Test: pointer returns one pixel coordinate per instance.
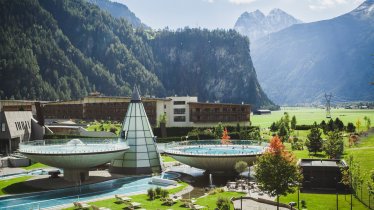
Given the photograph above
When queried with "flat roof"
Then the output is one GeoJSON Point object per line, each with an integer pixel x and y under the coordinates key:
{"type": "Point", "coordinates": [218, 103]}
{"type": "Point", "coordinates": [321, 163]}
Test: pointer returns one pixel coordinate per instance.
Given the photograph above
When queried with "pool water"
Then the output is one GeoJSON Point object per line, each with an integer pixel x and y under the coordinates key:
{"type": "Point", "coordinates": [69, 195]}
{"type": "Point", "coordinates": [222, 150]}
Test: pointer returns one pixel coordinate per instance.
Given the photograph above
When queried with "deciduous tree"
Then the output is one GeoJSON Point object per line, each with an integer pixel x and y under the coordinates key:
{"type": "Point", "coordinates": [276, 170]}
{"type": "Point", "coordinates": [334, 146]}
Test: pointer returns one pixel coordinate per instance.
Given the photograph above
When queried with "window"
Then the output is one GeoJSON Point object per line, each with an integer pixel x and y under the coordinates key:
{"type": "Point", "coordinates": [179, 111]}
{"type": "Point", "coordinates": [3, 127]}
{"type": "Point", "coordinates": [179, 102]}
{"type": "Point", "coordinates": [179, 119]}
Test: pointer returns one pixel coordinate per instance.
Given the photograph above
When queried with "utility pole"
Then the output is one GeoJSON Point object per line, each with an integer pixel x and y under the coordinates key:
{"type": "Point", "coordinates": [328, 105]}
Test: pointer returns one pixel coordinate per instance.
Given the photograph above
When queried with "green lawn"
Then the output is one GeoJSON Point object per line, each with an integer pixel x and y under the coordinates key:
{"type": "Point", "coordinates": [14, 186]}
{"type": "Point", "coordinates": [166, 158]}
{"type": "Point", "coordinates": [309, 115]}
{"type": "Point", "coordinates": [35, 166]}
{"type": "Point", "coordinates": [97, 126]}
{"type": "Point", "coordinates": [323, 201]}
{"type": "Point", "coordinates": [363, 153]}
{"type": "Point", "coordinates": [208, 201]}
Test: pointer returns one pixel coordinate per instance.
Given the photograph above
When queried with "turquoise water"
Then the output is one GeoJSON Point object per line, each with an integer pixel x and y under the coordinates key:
{"type": "Point", "coordinates": [229, 150]}
{"type": "Point", "coordinates": [85, 192]}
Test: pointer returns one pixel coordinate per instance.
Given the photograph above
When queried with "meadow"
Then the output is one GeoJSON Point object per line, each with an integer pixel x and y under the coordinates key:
{"type": "Point", "coordinates": [307, 116]}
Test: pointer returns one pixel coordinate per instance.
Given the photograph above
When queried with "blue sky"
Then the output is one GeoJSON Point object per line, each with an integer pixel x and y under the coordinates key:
{"type": "Point", "coordinates": [213, 14]}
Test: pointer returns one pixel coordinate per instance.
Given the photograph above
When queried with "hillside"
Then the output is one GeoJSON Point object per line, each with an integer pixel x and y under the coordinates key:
{"type": "Point", "coordinates": [256, 25]}
{"type": "Point", "coordinates": [118, 10]}
{"type": "Point", "coordinates": [300, 63]}
{"type": "Point", "coordinates": [60, 50]}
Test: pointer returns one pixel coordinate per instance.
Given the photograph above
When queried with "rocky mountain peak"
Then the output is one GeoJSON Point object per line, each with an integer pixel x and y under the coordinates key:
{"type": "Point", "coordinates": [256, 25]}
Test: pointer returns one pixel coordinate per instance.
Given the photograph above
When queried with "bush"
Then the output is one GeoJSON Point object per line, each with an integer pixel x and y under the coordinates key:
{"type": "Point", "coordinates": [164, 193]}
{"type": "Point", "coordinates": [151, 193]}
{"type": "Point", "coordinates": [223, 203]}
{"type": "Point", "coordinates": [158, 191]}
{"type": "Point", "coordinates": [303, 127]}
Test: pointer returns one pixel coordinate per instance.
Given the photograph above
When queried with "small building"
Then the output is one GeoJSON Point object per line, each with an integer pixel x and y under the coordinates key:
{"type": "Point", "coordinates": [322, 174]}
{"type": "Point", "coordinates": [262, 111]}
{"type": "Point", "coordinates": [17, 127]}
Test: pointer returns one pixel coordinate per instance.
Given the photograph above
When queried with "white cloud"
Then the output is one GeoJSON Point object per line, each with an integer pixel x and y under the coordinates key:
{"type": "Point", "coordinates": [325, 4]}
{"type": "Point", "coordinates": [242, 1]}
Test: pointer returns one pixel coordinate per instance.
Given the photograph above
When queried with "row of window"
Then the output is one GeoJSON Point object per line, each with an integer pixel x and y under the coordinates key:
{"type": "Point", "coordinates": [179, 118]}
{"type": "Point", "coordinates": [22, 125]}
{"type": "Point", "coordinates": [180, 111]}
{"type": "Point", "coordinates": [224, 109]}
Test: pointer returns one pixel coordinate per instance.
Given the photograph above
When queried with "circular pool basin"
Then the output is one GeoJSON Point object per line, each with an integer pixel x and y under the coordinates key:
{"type": "Point", "coordinates": [214, 158]}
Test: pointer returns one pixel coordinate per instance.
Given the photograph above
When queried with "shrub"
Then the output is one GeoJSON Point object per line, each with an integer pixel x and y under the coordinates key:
{"type": "Point", "coordinates": [223, 203]}
{"type": "Point", "coordinates": [151, 194]}
{"type": "Point", "coordinates": [158, 191]}
{"type": "Point", "coordinates": [164, 193]}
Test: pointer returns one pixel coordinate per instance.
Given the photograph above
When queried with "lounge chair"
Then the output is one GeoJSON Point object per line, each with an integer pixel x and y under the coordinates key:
{"type": "Point", "coordinates": [195, 206]}
{"type": "Point", "coordinates": [133, 205]}
{"type": "Point", "coordinates": [122, 198]}
{"type": "Point", "coordinates": [168, 201]}
{"type": "Point", "coordinates": [81, 205]}
{"type": "Point", "coordinates": [99, 208]}
{"type": "Point", "coordinates": [186, 202]}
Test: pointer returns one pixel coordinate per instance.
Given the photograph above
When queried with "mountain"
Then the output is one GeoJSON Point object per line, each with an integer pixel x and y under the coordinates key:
{"type": "Point", "coordinates": [64, 49]}
{"type": "Point", "coordinates": [119, 10]}
{"type": "Point", "coordinates": [256, 25]}
{"type": "Point", "coordinates": [300, 63]}
{"type": "Point", "coordinates": [215, 65]}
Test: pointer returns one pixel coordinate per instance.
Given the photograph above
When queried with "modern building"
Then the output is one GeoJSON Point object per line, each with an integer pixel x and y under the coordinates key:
{"type": "Point", "coordinates": [17, 127]}
{"type": "Point", "coordinates": [183, 111]}
{"type": "Point", "coordinates": [143, 156]}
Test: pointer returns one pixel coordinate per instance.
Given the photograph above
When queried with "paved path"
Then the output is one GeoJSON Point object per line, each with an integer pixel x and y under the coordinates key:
{"type": "Point", "coordinates": [249, 204]}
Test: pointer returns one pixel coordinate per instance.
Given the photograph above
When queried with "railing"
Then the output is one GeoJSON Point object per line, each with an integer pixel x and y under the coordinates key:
{"type": "Point", "coordinates": [179, 147]}
{"type": "Point", "coordinates": [65, 146]}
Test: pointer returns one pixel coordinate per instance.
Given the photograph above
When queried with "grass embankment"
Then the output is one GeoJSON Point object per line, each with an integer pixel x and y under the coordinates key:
{"type": "Point", "coordinates": [35, 166]}
{"type": "Point", "coordinates": [307, 116]}
{"type": "Point", "coordinates": [16, 186]}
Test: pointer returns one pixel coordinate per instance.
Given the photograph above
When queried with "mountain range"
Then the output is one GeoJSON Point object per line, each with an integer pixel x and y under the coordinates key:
{"type": "Point", "coordinates": [64, 49]}
{"type": "Point", "coordinates": [256, 25]}
{"type": "Point", "coordinates": [302, 62]}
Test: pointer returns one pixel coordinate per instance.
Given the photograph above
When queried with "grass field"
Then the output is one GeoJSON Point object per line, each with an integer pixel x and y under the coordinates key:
{"type": "Point", "coordinates": [308, 116]}
{"type": "Point", "coordinates": [14, 186]}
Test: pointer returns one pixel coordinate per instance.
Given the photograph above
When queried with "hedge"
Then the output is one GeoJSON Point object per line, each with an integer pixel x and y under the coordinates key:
{"type": "Point", "coordinates": [303, 127]}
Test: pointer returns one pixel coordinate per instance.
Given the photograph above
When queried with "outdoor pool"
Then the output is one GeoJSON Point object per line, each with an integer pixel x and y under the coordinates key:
{"type": "Point", "coordinates": [127, 185]}
{"type": "Point", "coordinates": [221, 150]}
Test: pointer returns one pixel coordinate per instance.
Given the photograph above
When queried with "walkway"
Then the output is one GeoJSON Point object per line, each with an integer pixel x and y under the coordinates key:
{"type": "Point", "coordinates": [249, 204]}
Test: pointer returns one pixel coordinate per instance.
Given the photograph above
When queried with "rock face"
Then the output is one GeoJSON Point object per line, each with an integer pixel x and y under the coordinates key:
{"type": "Point", "coordinates": [300, 63]}
{"type": "Point", "coordinates": [256, 25]}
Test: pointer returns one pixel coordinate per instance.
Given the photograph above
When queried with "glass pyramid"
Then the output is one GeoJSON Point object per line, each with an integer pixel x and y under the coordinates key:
{"type": "Point", "coordinates": [142, 157]}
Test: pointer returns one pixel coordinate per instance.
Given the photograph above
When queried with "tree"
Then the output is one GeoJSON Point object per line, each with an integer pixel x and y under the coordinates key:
{"type": "Point", "coordinates": [240, 167]}
{"type": "Point", "coordinates": [225, 139]}
{"type": "Point", "coordinates": [286, 120]}
{"type": "Point", "coordinates": [334, 146]}
{"type": "Point", "coordinates": [218, 130]}
{"type": "Point", "coordinates": [293, 122]}
{"type": "Point", "coordinates": [358, 124]}
{"type": "Point", "coordinates": [283, 132]}
{"type": "Point", "coordinates": [273, 127]}
{"type": "Point", "coordinates": [323, 125]}
{"type": "Point", "coordinates": [330, 126]}
{"type": "Point", "coordinates": [338, 124]}
{"type": "Point", "coordinates": [368, 122]}
{"type": "Point", "coordinates": [314, 142]}
{"type": "Point", "coordinates": [350, 127]}
{"type": "Point", "coordinates": [276, 170]}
